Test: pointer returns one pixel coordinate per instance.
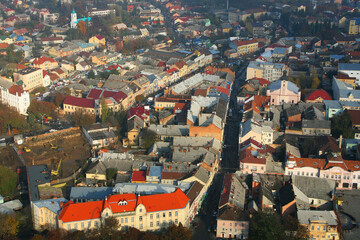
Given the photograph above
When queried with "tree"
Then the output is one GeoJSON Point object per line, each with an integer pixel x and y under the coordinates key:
{"type": "Point", "coordinates": [57, 234]}
{"type": "Point", "coordinates": [109, 229]}
{"type": "Point", "coordinates": [9, 226]}
{"type": "Point", "coordinates": [40, 108]}
{"type": "Point", "coordinates": [83, 119]}
{"type": "Point", "coordinates": [266, 226]}
{"type": "Point", "coordinates": [59, 99]}
{"type": "Point", "coordinates": [341, 124]}
{"type": "Point", "coordinates": [8, 181]}
{"type": "Point", "coordinates": [37, 237]}
{"type": "Point", "coordinates": [294, 229]}
{"type": "Point", "coordinates": [315, 83]}
{"type": "Point", "coordinates": [174, 232]}
{"type": "Point", "coordinates": [148, 138]}
{"type": "Point", "coordinates": [111, 173]}
{"type": "Point", "coordinates": [139, 98]}
{"type": "Point", "coordinates": [10, 117]}
{"type": "Point", "coordinates": [81, 27]}
{"type": "Point", "coordinates": [105, 111]}
{"type": "Point", "coordinates": [91, 74]}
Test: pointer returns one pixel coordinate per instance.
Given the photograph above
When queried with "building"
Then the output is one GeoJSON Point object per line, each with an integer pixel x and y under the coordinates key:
{"type": "Point", "coordinates": [345, 78]}
{"type": "Point", "coordinates": [29, 78]}
{"type": "Point", "coordinates": [98, 40]}
{"type": "Point", "coordinates": [14, 96]}
{"type": "Point", "coordinates": [45, 63]}
{"type": "Point", "coordinates": [146, 213]}
{"type": "Point", "coordinates": [318, 96]}
{"type": "Point", "coordinates": [321, 224]}
{"type": "Point", "coordinates": [45, 213]}
{"type": "Point", "coordinates": [99, 135]}
{"type": "Point", "coordinates": [333, 107]}
{"type": "Point", "coordinates": [283, 91]}
{"type": "Point", "coordinates": [344, 92]}
{"type": "Point", "coordinates": [245, 46]}
{"type": "Point", "coordinates": [316, 127]}
{"type": "Point", "coordinates": [101, 13]}
{"type": "Point", "coordinates": [353, 26]}
{"type": "Point", "coordinates": [77, 104]}
{"type": "Point", "coordinates": [74, 20]}
{"type": "Point", "coordinates": [267, 70]}
{"type": "Point", "coordinates": [232, 223]}
{"type": "Point", "coordinates": [351, 69]}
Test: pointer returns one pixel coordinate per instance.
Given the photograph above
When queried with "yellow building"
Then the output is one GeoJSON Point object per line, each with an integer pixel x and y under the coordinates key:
{"type": "Point", "coordinates": [245, 47]}
{"type": "Point", "coordinates": [45, 213]}
{"type": "Point", "coordinates": [353, 26]}
{"type": "Point", "coordinates": [343, 77]}
{"type": "Point", "coordinates": [146, 213]}
{"type": "Point", "coordinates": [321, 224]}
{"type": "Point", "coordinates": [30, 78]}
{"type": "Point", "coordinates": [98, 40]}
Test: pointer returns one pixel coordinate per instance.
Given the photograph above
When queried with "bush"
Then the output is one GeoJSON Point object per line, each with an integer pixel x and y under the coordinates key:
{"type": "Point", "coordinates": [111, 173]}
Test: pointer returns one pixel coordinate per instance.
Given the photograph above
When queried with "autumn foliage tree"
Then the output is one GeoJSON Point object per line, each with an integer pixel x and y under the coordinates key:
{"type": "Point", "coordinates": [83, 119]}
{"type": "Point", "coordinates": [81, 27]}
{"type": "Point", "coordinates": [39, 108]}
{"type": "Point", "coordinates": [9, 226]}
{"type": "Point", "coordinates": [9, 116]}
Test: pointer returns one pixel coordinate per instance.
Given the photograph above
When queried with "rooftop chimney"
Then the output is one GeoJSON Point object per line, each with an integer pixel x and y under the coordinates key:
{"type": "Point", "coordinates": [340, 141]}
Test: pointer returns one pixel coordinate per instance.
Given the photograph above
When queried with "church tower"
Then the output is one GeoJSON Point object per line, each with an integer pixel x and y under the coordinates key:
{"type": "Point", "coordinates": [73, 19]}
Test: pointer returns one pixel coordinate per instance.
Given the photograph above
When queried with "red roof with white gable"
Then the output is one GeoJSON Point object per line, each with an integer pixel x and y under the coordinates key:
{"type": "Point", "coordinates": [318, 94]}
{"type": "Point", "coordinates": [121, 203]}
{"type": "Point", "coordinates": [141, 112]}
{"type": "Point", "coordinates": [97, 93]}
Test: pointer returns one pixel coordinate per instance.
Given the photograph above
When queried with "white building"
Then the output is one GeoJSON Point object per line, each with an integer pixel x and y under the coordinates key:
{"type": "Point", "coordinates": [15, 96]}
{"type": "Point", "coordinates": [351, 69]}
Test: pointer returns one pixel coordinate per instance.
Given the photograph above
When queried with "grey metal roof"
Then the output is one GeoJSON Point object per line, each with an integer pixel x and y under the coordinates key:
{"type": "Point", "coordinates": [37, 175]}
{"type": "Point", "coordinates": [332, 104]}
{"type": "Point", "coordinates": [307, 216]}
{"type": "Point", "coordinates": [148, 188]}
{"type": "Point", "coordinates": [171, 130]}
{"type": "Point", "coordinates": [349, 67]}
{"type": "Point", "coordinates": [90, 193]}
{"type": "Point", "coordinates": [316, 124]}
{"type": "Point", "coordinates": [319, 188]}
{"type": "Point", "coordinates": [52, 204]}
{"type": "Point", "coordinates": [155, 171]}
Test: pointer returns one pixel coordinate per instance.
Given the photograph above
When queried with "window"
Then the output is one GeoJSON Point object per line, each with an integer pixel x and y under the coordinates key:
{"type": "Point", "coordinates": [140, 218]}
{"type": "Point", "coordinates": [89, 224]}
{"type": "Point", "coordinates": [96, 223]}
{"type": "Point", "coordinates": [151, 216]}
{"type": "Point", "coordinates": [75, 225]}
{"type": "Point", "coordinates": [125, 220]}
{"type": "Point", "coordinates": [169, 214]}
{"type": "Point", "coordinates": [176, 221]}
{"type": "Point", "coordinates": [157, 215]}
{"type": "Point", "coordinates": [132, 219]}
{"type": "Point", "coordinates": [157, 223]}
{"type": "Point", "coordinates": [151, 224]}
{"type": "Point", "coordinates": [122, 220]}
{"type": "Point", "coordinates": [69, 226]}
{"type": "Point", "coordinates": [141, 226]}
{"type": "Point", "coordinates": [163, 214]}
{"type": "Point", "coordinates": [82, 224]}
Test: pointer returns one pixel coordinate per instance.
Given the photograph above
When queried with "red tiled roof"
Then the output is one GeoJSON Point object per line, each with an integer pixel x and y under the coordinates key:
{"type": "Point", "coordinates": [225, 194]}
{"type": "Point", "coordinates": [245, 42]}
{"type": "Point", "coordinates": [45, 73]}
{"type": "Point", "coordinates": [262, 81]}
{"type": "Point", "coordinates": [166, 201]}
{"type": "Point", "coordinates": [99, 36]}
{"type": "Point", "coordinates": [114, 67]}
{"type": "Point", "coordinates": [352, 165]}
{"type": "Point", "coordinates": [138, 111]}
{"type": "Point", "coordinates": [338, 163]}
{"type": "Point", "coordinates": [16, 90]}
{"type": "Point", "coordinates": [221, 89]}
{"type": "Point", "coordinates": [172, 175]}
{"type": "Point", "coordinates": [253, 160]}
{"type": "Point", "coordinates": [355, 116]}
{"type": "Point", "coordinates": [172, 70]}
{"type": "Point", "coordinates": [310, 162]}
{"type": "Point", "coordinates": [4, 45]}
{"type": "Point", "coordinates": [180, 106]}
{"type": "Point", "coordinates": [318, 94]}
{"type": "Point", "coordinates": [200, 92]}
{"type": "Point", "coordinates": [138, 176]}
{"type": "Point", "coordinates": [180, 64]}
{"type": "Point", "coordinates": [42, 60]}
{"type": "Point", "coordinates": [79, 102]}
{"type": "Point", "coordinates": [95, 93]}
{"type": "Point", "coordinates": [161, 64]}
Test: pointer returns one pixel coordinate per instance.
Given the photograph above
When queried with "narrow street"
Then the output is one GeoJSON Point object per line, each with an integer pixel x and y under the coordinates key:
{"type": "Point", "coordinates": [206, 220]}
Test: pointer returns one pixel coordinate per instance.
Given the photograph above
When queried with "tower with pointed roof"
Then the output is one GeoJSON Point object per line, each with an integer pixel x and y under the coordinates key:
{"type": "Point", "coordinates": [73, 21]}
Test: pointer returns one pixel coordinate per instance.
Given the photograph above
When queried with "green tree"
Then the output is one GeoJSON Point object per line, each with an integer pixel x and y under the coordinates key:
{"type": "Point", "coordinates": [8, 181]}
{"type": "Point", "coordinates": [341, 124]}
{"type": "Point", "coordinates": [266, 226]}
{"type": "Point", "coordinates": [105, 111]}
{"type": "Point", "coordinates": [91, 74]}
{"type": "Point", "coordinates": [111, 173]}
{"type": "Point", "coordinates": [148, 138]}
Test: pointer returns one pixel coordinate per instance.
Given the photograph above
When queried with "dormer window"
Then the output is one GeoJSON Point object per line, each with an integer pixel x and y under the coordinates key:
{"type": "Point", "coordinates": [121, 203]}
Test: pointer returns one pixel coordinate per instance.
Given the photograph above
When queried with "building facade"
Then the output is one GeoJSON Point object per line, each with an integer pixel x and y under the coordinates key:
{"type": "Point", "coordinates": [29, 78]}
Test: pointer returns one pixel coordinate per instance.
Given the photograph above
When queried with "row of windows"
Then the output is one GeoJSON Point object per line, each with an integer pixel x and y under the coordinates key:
{"type": "Point", "coordinates": [82, 224]}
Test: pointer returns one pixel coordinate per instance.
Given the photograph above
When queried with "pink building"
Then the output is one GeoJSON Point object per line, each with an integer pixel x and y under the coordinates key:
{"type": "Point", "coordinates": [283, 91]}
{"type": "Point", "coordinates": [232, 223]}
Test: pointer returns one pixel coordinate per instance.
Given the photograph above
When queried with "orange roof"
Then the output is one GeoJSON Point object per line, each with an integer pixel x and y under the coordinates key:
{"type": "Point", "coordinates": [4, 45]}
{"type": "Point", "coordinates": [81, 211]}
{"type": "Point", "coordinates": [339, 164]}
{"type": "Point", "coordinates": [310, 162]}
{"type": "Point", "coordinates": [245, 42]}
{"type": "Point", "coordinates": [42, 60]}
{"type": "Point", "coordinates": [92, 210]}
{"type": "Point", "coordinates": [352, 165]}
{"type": "Point", "coordinates": [166, 201]}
